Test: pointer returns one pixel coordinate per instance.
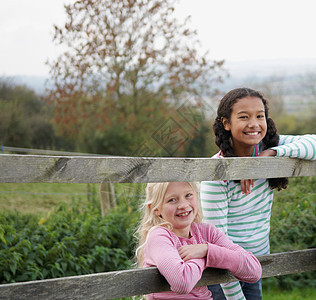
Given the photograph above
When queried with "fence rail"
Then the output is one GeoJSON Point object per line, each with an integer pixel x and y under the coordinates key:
{"type": "Point", "coordinates": [128, 283]}
{"type": "Point", "coordinates": [84, 169]}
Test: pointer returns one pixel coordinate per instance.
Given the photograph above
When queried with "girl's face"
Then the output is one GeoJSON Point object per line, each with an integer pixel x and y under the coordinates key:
{"type": "Point", "coordinates": [247, 124]}
{"type": "Point", "coordinates": [179, 207]}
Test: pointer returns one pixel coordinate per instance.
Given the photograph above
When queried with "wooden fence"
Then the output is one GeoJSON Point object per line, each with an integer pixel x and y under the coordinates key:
{"type": "Point", "coordinates": [88, 169]}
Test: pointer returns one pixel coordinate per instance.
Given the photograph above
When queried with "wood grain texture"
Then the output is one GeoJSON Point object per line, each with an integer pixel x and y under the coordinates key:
{"type": "Point", "coordinates": [128, 283]}
{"type": "Point", "coordinates": [81, 169]}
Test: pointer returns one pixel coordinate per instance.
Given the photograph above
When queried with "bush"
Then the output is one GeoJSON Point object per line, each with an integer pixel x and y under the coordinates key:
{"type": "Point", "coordinates": [293, 228]}
{"type": "Point", "coordinates": [72, 241]}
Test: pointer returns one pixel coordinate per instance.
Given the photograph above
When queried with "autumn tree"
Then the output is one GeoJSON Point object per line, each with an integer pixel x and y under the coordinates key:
{"type": "Point", "coordinates": [125, 64]}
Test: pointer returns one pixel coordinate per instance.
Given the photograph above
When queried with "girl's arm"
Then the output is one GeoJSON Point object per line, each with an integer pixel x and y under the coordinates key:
{"type": "Point", "coordinates": [160, 251]}
{"type": "Point", "coordinates": [223, 253]}
{"type": "Point", "coordinates": [303, 146]}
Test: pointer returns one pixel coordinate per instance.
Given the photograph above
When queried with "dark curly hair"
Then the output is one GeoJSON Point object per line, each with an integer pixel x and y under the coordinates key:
{"type": "Point", "coordinates": [223, 137]}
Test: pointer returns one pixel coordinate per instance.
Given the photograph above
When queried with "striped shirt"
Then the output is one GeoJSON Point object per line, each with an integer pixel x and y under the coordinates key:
{"type": "Point", "coordinates": [161, 250]}
{"type": "Point", "coordinates": [245, 219]}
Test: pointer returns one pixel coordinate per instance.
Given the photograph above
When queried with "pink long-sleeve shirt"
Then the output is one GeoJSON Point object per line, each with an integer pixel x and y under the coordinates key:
{"type": "Point", "coordinates": [161, 251]}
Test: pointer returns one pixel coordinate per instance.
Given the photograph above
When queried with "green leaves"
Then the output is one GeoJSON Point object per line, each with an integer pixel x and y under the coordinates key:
{"type": "Point", "coordinates": [293, 228]}
{"type": "Point", "coordinates": [72, 241]}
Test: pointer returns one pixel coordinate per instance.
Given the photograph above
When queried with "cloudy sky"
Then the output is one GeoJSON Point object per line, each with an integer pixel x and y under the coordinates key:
{"type": "Point", "coordinates": [234, 30]}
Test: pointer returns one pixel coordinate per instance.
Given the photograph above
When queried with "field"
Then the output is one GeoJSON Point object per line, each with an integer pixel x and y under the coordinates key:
{"type": "Point", "coordinates": [40, 198]}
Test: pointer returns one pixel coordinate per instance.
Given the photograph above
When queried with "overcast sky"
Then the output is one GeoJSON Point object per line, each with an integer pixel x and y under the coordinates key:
{"type": "Point", "coordinates": [234, 30]}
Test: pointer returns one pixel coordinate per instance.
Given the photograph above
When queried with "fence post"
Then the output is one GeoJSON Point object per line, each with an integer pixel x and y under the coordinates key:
{"type": "Point", "coordinates": [107, 197]}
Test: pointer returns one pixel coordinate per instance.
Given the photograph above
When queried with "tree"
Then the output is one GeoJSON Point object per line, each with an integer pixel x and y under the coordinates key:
{"type": "Point", "coordinates": [25, 120]}
{"type": "Point", "coordinates": [124, 64]}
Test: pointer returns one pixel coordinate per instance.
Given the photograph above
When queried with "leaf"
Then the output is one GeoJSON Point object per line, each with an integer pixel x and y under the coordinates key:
{"type": "Point", "coordinates": [13, 266]}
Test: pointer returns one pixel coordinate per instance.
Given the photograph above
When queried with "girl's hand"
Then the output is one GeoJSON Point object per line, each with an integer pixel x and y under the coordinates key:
{"type": "Point", "coordinates": [193, 251]}
{"type": "Point", "coordinates": [246, 185]}
{"type": "Point", "coordinates": [268, 152]}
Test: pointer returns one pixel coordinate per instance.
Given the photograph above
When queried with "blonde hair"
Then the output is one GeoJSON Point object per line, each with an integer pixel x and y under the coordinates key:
{"type": "Point", "coordinates": [155, 193]}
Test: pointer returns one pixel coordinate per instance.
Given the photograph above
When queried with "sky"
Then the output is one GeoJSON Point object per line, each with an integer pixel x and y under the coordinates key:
{"type": "Point", "coordinates": [233, 30]}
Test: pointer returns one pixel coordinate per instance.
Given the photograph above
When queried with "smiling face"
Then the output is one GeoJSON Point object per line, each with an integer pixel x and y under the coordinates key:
{"type": "Point", "coordinates": [247, 124]}
{"type": "Point", "coordinates": [179, 207]}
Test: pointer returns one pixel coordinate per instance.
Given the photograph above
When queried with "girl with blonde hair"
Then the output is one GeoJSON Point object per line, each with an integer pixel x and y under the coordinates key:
{"type": "Point", "coordinates": [172, 238]}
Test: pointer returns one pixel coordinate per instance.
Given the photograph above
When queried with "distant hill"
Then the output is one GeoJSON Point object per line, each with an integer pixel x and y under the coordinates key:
{"type": "Point", "coordinates": [265, 68]}
{"type": "Point", "coordinates": [239, 71]}
{"type": "Point", "coordinates": [243, 72]}
{"type": "Point", "coordinates": [288, 72]}
{"type": "Point", "coordinates": [285, 75]}
{"type": "Point", "coordinates": [37, 83]}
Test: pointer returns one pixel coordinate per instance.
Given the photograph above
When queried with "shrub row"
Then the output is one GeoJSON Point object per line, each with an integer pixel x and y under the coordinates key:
{"type": "Point", "coordinates": [293, 227]}
{"type": "Point", "coordinates": [74, 240]}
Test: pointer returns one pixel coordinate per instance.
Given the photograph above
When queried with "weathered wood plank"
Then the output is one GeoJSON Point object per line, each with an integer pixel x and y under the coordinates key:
{"type": "Point", "coordinates": [80, 169]}
{"type": "Point", "coordinates": [127, 283]}
{"type": "Point", "coordinates": [288, 263]}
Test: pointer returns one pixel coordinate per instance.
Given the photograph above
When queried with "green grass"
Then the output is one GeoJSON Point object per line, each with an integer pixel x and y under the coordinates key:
{"type": "Point", "coordinates": [296, 294]}
{"type": "Point", "coordinates": [41, 198]}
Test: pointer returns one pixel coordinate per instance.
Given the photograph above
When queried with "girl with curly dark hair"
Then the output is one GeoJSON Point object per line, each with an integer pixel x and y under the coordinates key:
{"type": "Point", "coordinates": [242, 209]}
